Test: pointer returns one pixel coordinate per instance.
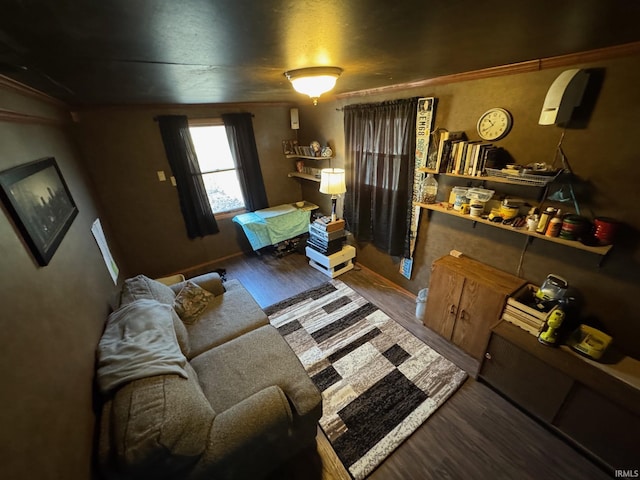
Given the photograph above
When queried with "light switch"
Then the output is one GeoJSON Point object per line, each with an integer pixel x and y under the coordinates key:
{"type": "Point", "coordinates": [161, 176]}
{"type": "Point", "coordinates": [173, 181]}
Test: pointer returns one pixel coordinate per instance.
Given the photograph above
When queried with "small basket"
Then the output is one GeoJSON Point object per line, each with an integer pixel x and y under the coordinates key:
{"type": "Point", "coordinates": [524, 178]}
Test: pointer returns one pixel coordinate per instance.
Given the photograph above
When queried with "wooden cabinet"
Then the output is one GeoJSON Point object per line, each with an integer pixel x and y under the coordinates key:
{"type": "Point", "coordinates": [594, 405]}
{"type": "Point", "coordinates": [526, 380]}
{"type": "Point", "coordinates": [465, 300]}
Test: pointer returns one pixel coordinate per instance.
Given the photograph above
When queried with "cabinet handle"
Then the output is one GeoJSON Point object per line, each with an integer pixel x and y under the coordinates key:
{"type": "Point", "coordinates": [487, 355]}
{"type": "Point", "coordinates": [452, 310]}
{"type": "Point", "coordinates": [464, 314]}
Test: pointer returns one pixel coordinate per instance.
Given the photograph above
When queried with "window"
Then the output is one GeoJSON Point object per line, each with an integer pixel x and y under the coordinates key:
{"type": "Point", "coordinates": [217, 166]}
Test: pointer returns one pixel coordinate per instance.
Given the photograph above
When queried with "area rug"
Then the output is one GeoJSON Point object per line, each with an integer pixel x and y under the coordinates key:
{"type": "Point", "coordinates": [379, 382]}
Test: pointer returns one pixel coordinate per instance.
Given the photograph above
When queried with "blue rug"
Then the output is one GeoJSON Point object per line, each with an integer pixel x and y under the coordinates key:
{"type": "Point", "coordinates": [379, 382]}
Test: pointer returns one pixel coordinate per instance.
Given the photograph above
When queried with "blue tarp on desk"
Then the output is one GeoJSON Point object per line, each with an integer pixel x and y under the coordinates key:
{"type": "Point", "coordinates": [273, 225]}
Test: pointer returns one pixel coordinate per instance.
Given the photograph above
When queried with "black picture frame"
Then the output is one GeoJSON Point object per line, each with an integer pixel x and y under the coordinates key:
{"type": "Point", "coordinates": [40, 203]}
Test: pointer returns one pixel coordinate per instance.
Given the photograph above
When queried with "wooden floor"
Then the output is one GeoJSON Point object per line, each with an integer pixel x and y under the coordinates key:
{"type": "Point", "coordinates": [476, 434]}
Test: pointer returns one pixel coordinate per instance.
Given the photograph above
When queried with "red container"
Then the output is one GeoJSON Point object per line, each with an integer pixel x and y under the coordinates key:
{"type": "Point", "coordinates": [604, 230]}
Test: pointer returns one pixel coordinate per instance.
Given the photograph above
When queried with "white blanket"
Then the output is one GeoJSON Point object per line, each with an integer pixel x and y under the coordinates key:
{"type": "Point", "coordinates": [139, 341]}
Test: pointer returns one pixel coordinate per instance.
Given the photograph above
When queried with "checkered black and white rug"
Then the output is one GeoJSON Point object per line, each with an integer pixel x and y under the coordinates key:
{"type": "Point", "coordinates": [379, 382]}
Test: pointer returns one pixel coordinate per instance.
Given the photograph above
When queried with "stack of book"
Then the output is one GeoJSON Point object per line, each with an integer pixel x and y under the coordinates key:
{"type": "Point", "coordinates": [460, 156]}
{"type": "Point", "coordinates": [325, 236]}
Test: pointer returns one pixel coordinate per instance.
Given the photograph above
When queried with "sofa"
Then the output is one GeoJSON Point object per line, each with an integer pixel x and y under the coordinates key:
{"type": "Point", "coordinates": [198, 385]}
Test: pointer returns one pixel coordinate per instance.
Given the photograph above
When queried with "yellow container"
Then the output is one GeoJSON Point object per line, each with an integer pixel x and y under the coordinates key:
{"type": "Point", "coordinates": [508, 211]}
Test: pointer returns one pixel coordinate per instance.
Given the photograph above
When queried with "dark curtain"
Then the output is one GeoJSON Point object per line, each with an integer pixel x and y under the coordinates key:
{"type": "Point", "coordinates": [194, 203]}
{"type": "Point", "coordinates": [242, 142]}
{"type": "Point", "coordinates": [380, 145]}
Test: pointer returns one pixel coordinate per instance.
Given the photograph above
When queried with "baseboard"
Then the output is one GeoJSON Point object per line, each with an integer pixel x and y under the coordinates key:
{"type": "Point", "coordinates": [196, 269]}
{"type": "Point", "coordinates": [391, 284]}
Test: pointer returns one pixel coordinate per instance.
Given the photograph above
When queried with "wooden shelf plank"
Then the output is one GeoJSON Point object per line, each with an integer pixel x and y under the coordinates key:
{"type": "Point", "coordinates": [439, 207]}
{"type": "Point", "coordinates": [307, 157]}
{"type": "Point", "coordinates": [304, 176]}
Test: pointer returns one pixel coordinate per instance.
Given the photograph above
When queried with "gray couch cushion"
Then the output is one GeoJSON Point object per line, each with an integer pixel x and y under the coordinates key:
{"type": "Point", "coordinates": [143, 287]}
{"type": "Point", "coordinates": [181, 334]}
{"type": "Point", "coordinates": [226, 317]}
{"type": "Point", "coordinates": [160, 423]}
{"type": "Point", "coordinates": [259, 359]}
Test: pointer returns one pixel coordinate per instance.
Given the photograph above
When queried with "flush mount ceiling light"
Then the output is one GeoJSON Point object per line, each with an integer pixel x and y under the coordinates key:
{"type": "Point", "coordinates": [313, 81]}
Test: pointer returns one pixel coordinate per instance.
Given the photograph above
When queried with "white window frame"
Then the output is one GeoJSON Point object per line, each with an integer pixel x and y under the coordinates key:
{"type": "Point", "coordinates": [216, 122]}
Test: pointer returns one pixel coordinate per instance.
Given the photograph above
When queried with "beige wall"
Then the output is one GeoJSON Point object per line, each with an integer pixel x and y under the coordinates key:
{"type": "Point", "coordinates": [52, 316]}
{"type": "Point", "coordinates": [604, 154]}
{"type": "Point", "coordinates": [123, 151]}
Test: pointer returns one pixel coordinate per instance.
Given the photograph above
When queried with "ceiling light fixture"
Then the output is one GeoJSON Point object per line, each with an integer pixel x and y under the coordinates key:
{"type": "Point", "coordinates": [313, 81]}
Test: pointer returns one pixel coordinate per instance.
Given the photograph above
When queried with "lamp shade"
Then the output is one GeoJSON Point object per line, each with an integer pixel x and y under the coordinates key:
{"type": "Point", "coordinates": [332, 181]}
{"type": "Point", "coordinates": [313, 81]}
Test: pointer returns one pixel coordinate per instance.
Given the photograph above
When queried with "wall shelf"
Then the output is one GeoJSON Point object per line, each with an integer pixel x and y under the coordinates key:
{"type": "Point", "coordinates": [308, 157]}
{"type": "Point", "coordinates": [486, 178]}
{"type": "Point", "coordinates": [598, 250]}
{"type": "Point", "coordinates": [304, 176]}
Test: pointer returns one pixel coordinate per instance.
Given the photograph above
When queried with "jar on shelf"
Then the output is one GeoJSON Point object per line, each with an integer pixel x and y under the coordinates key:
{"type": "Point", "coordinates": [429, 189]}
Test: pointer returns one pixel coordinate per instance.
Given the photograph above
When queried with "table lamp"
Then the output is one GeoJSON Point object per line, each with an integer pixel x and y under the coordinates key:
{"type": "Point", "coordinates": [332, 183]}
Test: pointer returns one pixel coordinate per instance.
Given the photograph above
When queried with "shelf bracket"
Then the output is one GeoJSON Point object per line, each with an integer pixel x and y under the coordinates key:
{"type": "Point", "coordinates": [602, 258]}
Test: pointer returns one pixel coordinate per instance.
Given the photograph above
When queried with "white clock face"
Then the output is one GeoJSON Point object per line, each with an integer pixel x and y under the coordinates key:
{"type": "Point", "coordinates": [494, 124]}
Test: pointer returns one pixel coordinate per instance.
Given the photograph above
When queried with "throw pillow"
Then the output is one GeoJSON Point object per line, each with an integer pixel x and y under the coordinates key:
{"type": "Point", "coordinates": [191, 302]}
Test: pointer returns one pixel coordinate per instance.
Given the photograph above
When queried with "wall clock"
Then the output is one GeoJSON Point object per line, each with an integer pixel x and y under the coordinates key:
{"type": "Point", "coordinates": [494, 124]}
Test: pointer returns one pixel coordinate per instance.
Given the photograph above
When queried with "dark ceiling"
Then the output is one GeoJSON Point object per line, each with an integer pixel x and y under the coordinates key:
{"type": "Point", "coordinates": [219, 51]}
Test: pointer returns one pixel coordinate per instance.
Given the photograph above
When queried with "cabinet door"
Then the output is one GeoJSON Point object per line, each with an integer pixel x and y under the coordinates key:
{"type": "Point", "coordinates": [606, 429]}
{"type": "Point", "coordinates": [445, 288]}
{"type": "Point", "coordinates": [523, 378]}
{"type": "Point", "coordinates": [478, 310]}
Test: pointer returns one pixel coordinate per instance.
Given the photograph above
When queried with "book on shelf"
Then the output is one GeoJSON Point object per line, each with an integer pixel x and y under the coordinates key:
{"type": "Point", "coordinates": [447, 140]}
{"type": "Point", "coordinates": [320, 232]}
{"type": "Point", "coordinates": [328, 225]}
{"type": "Point", "coordinates": [467, 159]}
{"type": "Point", "coordinates": [476, 169]}
{"type": "Point", "coordinates": [456, 147]}
{"type": "Point", "coordinates": [461, 155]}
{"type": "Point", "coordinates": [326, 248]}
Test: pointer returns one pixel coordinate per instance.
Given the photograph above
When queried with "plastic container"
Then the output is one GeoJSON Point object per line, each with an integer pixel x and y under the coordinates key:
{"type": "Point", "coordinates": [476, 209]}
{"type": "Point", "coordinates": [429, 189]}
{"type": "Point", "coordinates": [508, 211]}
{"type": "Point", "coordinates": [553, 228]}
{"type": "Point", "coordinates": [605, 229]}
{"type": "Point", "coordinates": [479, 195]}
{"type": "Point", "coordinates": [421, 303]}
{"type": "Point", "coordinates": [460, 197]}
{"type": "Point", "coordinates": [545, 217]}
{"type": "Point", "coordinates": [573, 227]}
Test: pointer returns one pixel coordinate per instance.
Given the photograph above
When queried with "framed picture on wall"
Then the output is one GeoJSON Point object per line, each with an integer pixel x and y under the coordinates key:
{"type": "Point", "coordinates": [38, 199]}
